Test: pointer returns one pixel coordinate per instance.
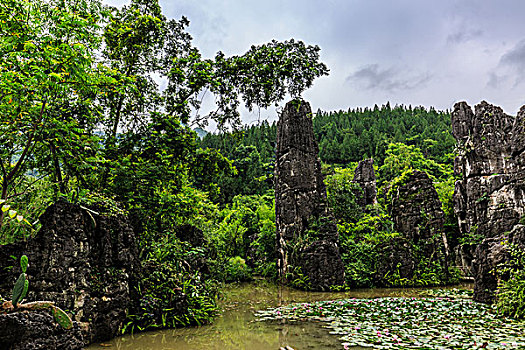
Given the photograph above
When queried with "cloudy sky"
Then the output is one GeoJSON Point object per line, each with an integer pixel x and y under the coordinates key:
{"type": "Point", "coordinates": [419, 52]}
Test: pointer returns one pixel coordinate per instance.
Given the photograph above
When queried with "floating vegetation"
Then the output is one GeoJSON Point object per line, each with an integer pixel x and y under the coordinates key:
{"type": "Point", "coordinates": [408, 323]}
{"type": "Point", "coordinates": [446, 293]}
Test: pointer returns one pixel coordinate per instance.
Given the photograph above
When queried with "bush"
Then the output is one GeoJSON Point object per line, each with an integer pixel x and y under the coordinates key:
{"type": "Point", "coordinates": [237, 270]}
{"type": "Point", "coordinates": [360, 247]}
{"type": "Point", "coordinates": [172, 292]}
{"type": "Point", "coordinates": [342, 194]}
{"type": "Point", "coordinates": [511, 293]}
{"type": "Point", "coordinates": [244, 230]}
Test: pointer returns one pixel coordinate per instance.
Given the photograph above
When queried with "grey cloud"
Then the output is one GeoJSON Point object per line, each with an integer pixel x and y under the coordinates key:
{"type": "Point", "coordinates": [495, 80]}
{"type": "Point", "coordinates": [514, 61]}
{"type": "Point", "coordinates": [463, 35]}
{"type": "Point", "coordinates": [387, 79]}
{"type": "Point", "coordinates": [515, 57]}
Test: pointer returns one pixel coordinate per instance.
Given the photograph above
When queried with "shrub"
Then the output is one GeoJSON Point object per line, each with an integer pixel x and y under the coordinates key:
{"type": "Point", "coordinates": [245, 230]}
{"type": "Point", "coordinates": [511, 293]}
{"type": "Point", "coordinates": [360, 247]}
{"type": "Point", "coordinates": [172, 292]}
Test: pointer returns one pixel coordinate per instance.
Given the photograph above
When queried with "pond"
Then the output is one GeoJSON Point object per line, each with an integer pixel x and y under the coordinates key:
{"type": "Point", "coordinates": [237, 328]}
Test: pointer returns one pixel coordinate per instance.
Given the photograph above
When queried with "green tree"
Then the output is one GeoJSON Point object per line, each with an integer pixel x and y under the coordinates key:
{"type": "Point", "coordinates": [343, 195]}
{"type": "Point", "coordinates": [400, 158]}
{"type": "Point", "coordinates": [48, 81]}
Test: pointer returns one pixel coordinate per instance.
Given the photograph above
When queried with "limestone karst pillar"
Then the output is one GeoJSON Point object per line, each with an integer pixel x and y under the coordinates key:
{"type": "Point", "coordinates": [307, 237]}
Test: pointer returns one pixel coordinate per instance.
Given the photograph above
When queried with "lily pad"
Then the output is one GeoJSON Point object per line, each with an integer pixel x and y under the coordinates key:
{"type": "Point", "coordinates": [408, 323]}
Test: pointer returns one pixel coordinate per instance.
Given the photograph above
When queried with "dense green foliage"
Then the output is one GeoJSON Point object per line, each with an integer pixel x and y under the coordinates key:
{"type": "Point", "coordinates": [410, 138]}
{"type": "Point", "coordinates": [366, 133]}
{"type": "Point", "coordinates": [357, 134]}
{"type": "Point", "coordinates": [402, 138]}
{"type": "Point", "coordinates": [511, 291]}
{"type": "Point", "coordinates": [82, 118]}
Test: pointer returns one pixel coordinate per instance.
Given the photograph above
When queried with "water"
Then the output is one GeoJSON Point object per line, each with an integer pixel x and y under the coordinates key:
{"type": "Point", "coordinates": [236, 328]}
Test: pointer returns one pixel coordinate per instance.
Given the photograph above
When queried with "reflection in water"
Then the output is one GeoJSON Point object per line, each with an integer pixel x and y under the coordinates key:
{"type": "Point", "coordinates": [236, 329]}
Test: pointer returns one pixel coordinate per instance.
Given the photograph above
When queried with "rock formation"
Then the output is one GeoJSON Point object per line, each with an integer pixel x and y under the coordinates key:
{"type": "Point", "coordinates": [307, 237]}
{"type": "Point", "coordinates": [37, 330]}
{"type": "Point", "coordinates": [489, 199]}
{"type": "Point", "coordinates": [365, 176]}
{"type": "Point", "coordinates": [83, 262]}
{"type": "Point", "coordinates": [416, 208]}
{"type": "Point", "coordinates": [416, 211]}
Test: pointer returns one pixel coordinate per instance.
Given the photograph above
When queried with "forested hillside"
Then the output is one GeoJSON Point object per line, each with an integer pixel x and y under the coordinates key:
{"type": "Point", "coordinates": [410, 134]}
{"type": "Point", "coordinates": [363, 133]}
{"type": "Point", "coordinates": [349, 136]}
{"type": "Point", "coordinates": [400, 140]}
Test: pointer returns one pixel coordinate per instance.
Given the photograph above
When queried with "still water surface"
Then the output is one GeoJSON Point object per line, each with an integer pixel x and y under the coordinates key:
{"type": "Point", "coordinates": [236, 328]}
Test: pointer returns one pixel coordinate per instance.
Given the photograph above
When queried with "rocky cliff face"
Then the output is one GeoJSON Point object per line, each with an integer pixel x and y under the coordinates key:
{"type": "Point", "coordinates": [84, 262]}
{"type": "Point", "coordinates": [37, 330]}
{"type": "Point", "coordinates": [489, 199]}
{"type": "Point", "coordinates": [364, 175]}
{"type": "Point", "coordinates": [307, 237]}
{"type": "Point", "coordinates": [416, 211]}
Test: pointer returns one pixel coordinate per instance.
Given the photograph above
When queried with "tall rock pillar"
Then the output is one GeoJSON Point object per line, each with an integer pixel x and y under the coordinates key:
{"type": "Point", "coordinates": [489, 197]}
{"type": "Point", "coordinates": [307, 237]}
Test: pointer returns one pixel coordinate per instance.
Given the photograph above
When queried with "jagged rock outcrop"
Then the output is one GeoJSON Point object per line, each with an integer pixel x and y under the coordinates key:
{"type": "Point", "coordinates": [307, 237]}
{"type": "Point", "coordinates": [396, 260]}
{"type": "Point", "coordinates": [37, 330]}
{"type": "Point", "coordinates": [416, 211]}
{"type": "Point", "coordinates": [84, 262]}
{"type": "Point", "coordinates": [490, 255]}
{"type": "Point", "coordinates": [365, 177]}
{"type": "Point", "coordinates": [416, 208]}
{"type": "Point", "coordinates": [489, 199]}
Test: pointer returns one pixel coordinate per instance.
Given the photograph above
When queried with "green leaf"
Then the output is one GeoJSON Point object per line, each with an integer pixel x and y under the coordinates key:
{"type": "Point", "coordinates": [24, 262]}
{"type": "Point", "coordinates": [24, 292]}
{"type": "Point", "coordinates": [62, 318]}
{"type": "Point", "coordinates": [18, 289]}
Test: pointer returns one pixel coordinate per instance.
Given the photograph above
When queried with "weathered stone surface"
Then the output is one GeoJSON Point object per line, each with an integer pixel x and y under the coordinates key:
{"type": "Point", "coordinates": [416, 211]}
{"type": "Point", "coordinates": [302, 214]}
{"type": "Point", "coordinates": [318, 264]}
{"type": "Point", "coordinates": [83, 262]}
{"type": "Point", "coordinates": [489, 199]}
{"type": "Point", "coordinates": [37, 331]}
{"type": "Point", "coordinates": [395, 257]}
{"type": "Point", "coordinates": [493, 253]}
{"type": "Point", "coordinates": [364, 175]}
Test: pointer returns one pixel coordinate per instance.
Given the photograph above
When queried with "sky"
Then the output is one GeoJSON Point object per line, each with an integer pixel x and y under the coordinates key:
{"type": "Point", "coordinates": [411, 52]}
